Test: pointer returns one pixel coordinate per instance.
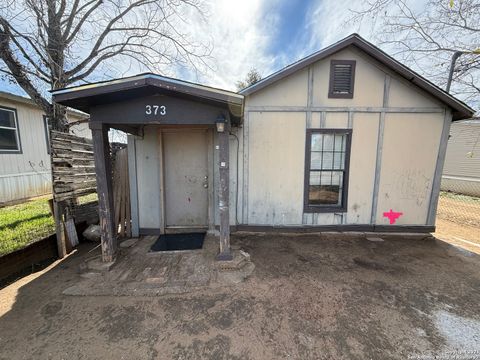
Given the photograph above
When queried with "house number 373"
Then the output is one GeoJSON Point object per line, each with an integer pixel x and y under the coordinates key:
{"type": "Point", "coordinates": [155, 110]}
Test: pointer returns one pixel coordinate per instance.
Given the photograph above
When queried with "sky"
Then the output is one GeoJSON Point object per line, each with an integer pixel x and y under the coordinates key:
{"type": "Point", "coordinates": [263, 34]}
{"type": "Point", "coordinates": [270, 34]}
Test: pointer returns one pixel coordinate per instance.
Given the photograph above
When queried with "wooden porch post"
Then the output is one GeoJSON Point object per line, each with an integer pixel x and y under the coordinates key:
{"type": "Point", "coordinates": [223, 193]}
{"type": "Point", "coordinates": [103, 169]}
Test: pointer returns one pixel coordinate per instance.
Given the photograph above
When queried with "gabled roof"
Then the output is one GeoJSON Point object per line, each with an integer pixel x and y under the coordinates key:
{"type": "Point", "coordinates": [460, 109]}
{"type": "Point", "coordinates": [84, 96]}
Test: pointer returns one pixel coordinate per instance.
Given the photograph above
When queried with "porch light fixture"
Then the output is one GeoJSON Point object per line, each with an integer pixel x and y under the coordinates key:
{"type": "Point", "coordinates": [220, 122]}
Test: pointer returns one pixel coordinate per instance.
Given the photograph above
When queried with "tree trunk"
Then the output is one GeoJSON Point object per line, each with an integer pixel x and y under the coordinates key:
{"type": "Point", "coordinates": [58, 117]}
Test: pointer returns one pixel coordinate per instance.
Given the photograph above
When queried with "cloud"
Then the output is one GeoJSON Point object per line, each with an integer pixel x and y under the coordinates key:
{"type": "Point", "coordinates": [240, 32]}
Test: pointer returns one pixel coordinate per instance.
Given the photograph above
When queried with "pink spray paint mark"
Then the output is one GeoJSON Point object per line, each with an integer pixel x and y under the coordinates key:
{"type": "Point", "coordinates": [392, 216]}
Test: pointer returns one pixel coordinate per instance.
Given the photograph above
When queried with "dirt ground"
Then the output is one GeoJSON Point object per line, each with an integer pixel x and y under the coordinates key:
{"type": "Point", "coordinates": [327, 296]}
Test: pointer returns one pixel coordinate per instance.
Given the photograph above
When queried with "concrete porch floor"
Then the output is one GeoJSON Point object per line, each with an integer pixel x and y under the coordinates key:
{"type": "Point", "coordinates": [138, 271]}
{"type": "Point", "coordinates": [313, 296]}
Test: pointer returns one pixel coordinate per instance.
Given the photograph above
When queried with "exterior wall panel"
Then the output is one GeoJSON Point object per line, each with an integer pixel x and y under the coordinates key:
{"type": "Point", "coordinates": [463, 150]}
{"type": "Point", "coordinates": [338, 120]}
{"type": "Point", "coordinates": [408, 95]}
{"type": "Point", "coordinates": [461, 173]}
{"type": "Point", "coordinates": [276, 168]}
{"type": "Point", "coordinates": [147, 156]}
{"type": "Point", "coordinates": [292, 91]}
{"type": "Point", "coordinates": [410, 149]}
{"type": "Point", "coordinates": [26, 174]}
{"type": "Point", "coordinates": [362, 167]}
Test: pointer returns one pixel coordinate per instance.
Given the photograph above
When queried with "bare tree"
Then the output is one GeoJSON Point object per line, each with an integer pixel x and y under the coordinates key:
{"type": "Point", "coordinates": [252, 77]}
{"type": "Point", "coordinates": [425, 35]}
{"type": "Point", "coordinates": [51, 44]}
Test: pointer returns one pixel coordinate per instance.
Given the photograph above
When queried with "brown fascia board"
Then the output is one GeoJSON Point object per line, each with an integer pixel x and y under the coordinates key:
{"type": "Point", "coordinates": [461, 110]}
{"type": "Point", "coordinates": [95, 89]}
{"type": "Point", "coordinates": [142, 80]}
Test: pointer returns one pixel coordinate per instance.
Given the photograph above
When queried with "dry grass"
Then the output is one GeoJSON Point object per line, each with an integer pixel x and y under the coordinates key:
{"type": "Point", "coordinates": [458, 217]}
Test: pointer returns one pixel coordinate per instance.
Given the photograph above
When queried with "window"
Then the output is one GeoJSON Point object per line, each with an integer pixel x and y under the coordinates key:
{"type": "Point", "coordinates": [342, 79]}
{"type": "Point", "coordinates": [48, 126]}
{"type": "Point", "coordinates": [326, 169]}
{"type": "Point", "coordinates": [9, 137]}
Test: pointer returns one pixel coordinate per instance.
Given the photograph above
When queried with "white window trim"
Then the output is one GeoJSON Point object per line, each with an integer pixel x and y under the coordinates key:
{"type": "Point", "coordinates": [18, 150]}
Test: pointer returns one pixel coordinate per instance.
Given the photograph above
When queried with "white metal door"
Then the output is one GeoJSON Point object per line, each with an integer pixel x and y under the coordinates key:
{"type": "Point", "coordinates": [186, 178]}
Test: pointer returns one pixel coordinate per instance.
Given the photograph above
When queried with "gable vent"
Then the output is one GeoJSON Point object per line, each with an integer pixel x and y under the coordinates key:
{"type": "Point", "coordinates": [342, 75]}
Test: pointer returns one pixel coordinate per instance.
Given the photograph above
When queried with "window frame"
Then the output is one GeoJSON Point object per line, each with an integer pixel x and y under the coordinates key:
{"type": "Point", "coordinates": [17, 132]}
{"type": "Point", "coordinates": [308, 208]}
{"type": "Point", "coordinates": [333, 95]}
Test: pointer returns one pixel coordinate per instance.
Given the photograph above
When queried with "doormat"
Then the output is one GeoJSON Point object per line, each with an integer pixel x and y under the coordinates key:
{"type": "Point", "coordinates": [187, 241]}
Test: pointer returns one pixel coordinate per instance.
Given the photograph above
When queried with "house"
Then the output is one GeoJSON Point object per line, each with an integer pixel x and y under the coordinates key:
{"type": "Point", "coordinates": [345, 139]}
{"type": "Point", "coordinates": [461, 173]}
{"type": "Point", "coordinates": [24, 147]}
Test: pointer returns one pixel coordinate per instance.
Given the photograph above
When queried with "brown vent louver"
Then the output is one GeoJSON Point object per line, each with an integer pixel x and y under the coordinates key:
{"type": "Point", "coordinates": [342, 78]}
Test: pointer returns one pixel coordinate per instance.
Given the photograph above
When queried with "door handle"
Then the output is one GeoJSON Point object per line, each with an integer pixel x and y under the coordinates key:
{"type": "Point", "coordinates": [205, 183]}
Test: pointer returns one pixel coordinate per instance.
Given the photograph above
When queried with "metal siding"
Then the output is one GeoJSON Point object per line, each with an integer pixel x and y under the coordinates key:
{"type": "Point", "coordinates": [26, 174]}
{"type": "Point", "coordinates": [463, 150]}
{"type": "Point", "coordinates": [465, 186]}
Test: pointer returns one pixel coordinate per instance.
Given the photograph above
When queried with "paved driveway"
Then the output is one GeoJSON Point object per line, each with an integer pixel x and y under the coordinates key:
{"type": "Point", "coordinates": [327, 296]}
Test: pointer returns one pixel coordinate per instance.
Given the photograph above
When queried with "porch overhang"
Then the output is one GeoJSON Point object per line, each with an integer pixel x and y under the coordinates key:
{"type": "Point", "coordinates": [131, 103]}
{"type": "Point", "coordinates": [151, 99]}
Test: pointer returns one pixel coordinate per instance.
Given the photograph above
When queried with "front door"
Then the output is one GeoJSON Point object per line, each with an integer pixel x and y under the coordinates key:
{"type": "Point", "coordinates": [185, 178]}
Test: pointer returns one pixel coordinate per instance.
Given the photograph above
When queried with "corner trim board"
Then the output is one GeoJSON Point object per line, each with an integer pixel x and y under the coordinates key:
{"type": "Point", "coordinates": [132, 173]}
{"type": "Point", "coordinates": [378, 163]}
{"type": "Point", "coordinates": [437, 178]}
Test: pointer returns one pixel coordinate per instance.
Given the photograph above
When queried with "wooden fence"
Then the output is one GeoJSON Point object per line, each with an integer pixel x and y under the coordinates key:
{"type": "Point", "coordinates": [73, 166]}
{"type": "Point", "coordinates": [73, 175]}
{"type": "Point", "coordinates": [121, 194]}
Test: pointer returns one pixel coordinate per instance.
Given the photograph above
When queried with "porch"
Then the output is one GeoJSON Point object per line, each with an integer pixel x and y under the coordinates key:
{"type": "Point", "coordinates": [138, 271]}
{"type": "Point", "coordinates": [190, 125]}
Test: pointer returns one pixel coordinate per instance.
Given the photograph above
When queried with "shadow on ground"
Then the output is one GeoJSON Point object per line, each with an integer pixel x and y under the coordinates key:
{"type": "Point", "coordinates": [328, 296]}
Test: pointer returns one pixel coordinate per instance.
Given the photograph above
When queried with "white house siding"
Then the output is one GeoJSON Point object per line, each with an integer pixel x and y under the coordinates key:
{"type": "Point", "coordinates": [148, 170]}
{"type": "Point", "coordinates": [81, 129]}
{"type": "Point", "coordinates": [26, 174]}
{"type": "Point", "coordinates": [461, 173]}
{"type": "Point", "coordinates": [276, 119]}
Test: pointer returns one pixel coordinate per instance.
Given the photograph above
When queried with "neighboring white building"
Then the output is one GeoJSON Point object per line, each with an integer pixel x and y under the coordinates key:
{"type": "Point", "coordinates": [461, 173]}
{"type": "Point", "coordinates": [24, 151]}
